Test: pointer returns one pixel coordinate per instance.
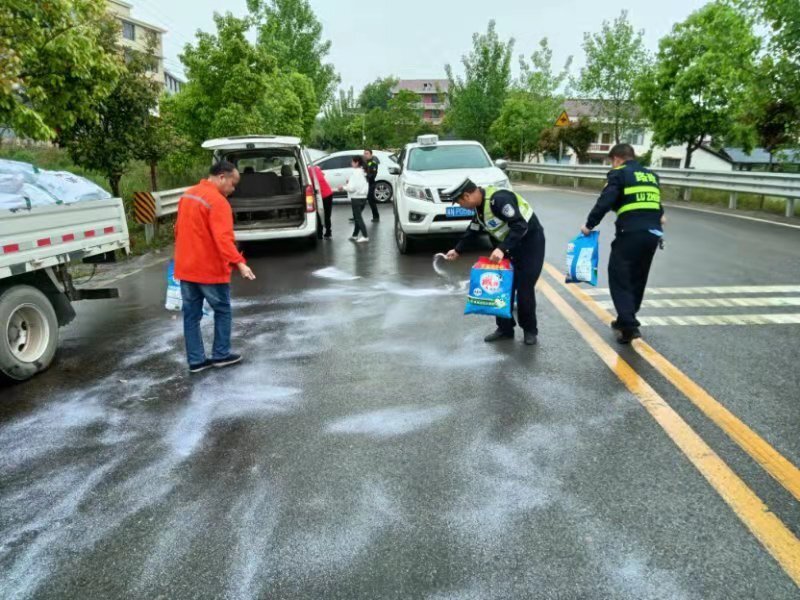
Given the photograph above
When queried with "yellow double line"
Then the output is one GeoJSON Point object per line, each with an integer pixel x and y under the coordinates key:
{"type": "Point", "coordinates": [781, 543]}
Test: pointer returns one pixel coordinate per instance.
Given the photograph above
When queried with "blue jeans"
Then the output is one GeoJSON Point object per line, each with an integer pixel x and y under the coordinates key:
{"type": "Point", "coordinates": [219, 297]}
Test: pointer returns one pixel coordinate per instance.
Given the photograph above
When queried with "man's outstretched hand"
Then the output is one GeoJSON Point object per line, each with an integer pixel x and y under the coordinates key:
{"type": "Point", "coordinates": [246, 272]}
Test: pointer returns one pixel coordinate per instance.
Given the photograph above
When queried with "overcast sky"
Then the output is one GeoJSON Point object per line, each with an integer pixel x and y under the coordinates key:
{"type": "Point", "coordinates": [414, 39]}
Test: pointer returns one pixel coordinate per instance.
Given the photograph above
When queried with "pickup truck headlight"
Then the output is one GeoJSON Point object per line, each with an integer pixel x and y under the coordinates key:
{"type": "Point", "coordinates": [503, 184]}
{"type": "Point", "coordinates": [416, 192]}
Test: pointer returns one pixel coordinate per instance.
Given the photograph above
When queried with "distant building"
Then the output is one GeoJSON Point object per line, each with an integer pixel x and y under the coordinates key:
{"type": "Point", "coordinates": [172, 83]}
{"type": "Point", "coordinates": [759, 159]}
{"type": "Point", "coordinates": [641, 138]}
{"type": "Point", "coordinates": [432, 96]}
{"type": "Point", "coordinates": [136, 35]}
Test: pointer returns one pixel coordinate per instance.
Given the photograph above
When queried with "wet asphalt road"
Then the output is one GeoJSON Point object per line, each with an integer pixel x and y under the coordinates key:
{"type": "Point", "coordinates": [371, 446]}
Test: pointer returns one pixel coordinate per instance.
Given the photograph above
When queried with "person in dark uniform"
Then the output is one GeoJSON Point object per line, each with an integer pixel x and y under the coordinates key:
{"type": "Point", "coordinates": [371, 163]}
{"type": "Point", "coordinates": [509, 219]}
{"type": "Point", "coordinates": [634, 193]}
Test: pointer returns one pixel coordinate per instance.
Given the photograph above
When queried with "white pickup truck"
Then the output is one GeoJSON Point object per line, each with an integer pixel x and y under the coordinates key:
{"type": "Point", "coordinates": [36, 289]}
{"type": "Point", "coordinates": [426, 169]}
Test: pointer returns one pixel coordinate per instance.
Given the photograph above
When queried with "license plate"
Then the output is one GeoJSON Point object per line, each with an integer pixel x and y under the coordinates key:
{"type": "Point", "coordinates": [457, 211]}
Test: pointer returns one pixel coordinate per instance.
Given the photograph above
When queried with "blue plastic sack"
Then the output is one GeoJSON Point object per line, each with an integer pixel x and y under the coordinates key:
{"type": "Point", "coordinates": [583, 255]}
{"type": "Point", "coordinates": [491, 288]}
{"type": "Point", "coordinates": [174, 297]}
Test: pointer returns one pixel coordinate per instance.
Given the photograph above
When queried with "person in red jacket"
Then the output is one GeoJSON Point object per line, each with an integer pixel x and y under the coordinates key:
{"type": "Point", "coordinates": [327, 196]}
{"type": "Point", "coordinates": [205, 254]}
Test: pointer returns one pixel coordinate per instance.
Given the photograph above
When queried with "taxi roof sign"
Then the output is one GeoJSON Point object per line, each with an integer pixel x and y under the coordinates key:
{"type": "Point", "coordinates": [563, 119]}
{"type": "Point", "coordinates": [428, 140]}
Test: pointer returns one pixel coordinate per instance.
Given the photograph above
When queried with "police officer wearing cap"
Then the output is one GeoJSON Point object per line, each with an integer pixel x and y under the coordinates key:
{"type": "Point", "coordinates": [371, 164]}
{"type": "Point", "coordinates": [509, 219]}
{"type": "Point", "coordinates": [634, 193]}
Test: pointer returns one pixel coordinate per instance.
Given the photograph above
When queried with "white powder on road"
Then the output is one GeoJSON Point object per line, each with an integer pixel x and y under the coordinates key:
{"type": "Point", "coordinates": [334, 273]}
{"type": "Point", "coordinates": [389, 422]}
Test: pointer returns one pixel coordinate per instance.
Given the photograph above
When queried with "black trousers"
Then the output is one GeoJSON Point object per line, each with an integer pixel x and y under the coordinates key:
{"type": "Point", "coordinates": [528, 259]}
{"type": "Point", "coordinates": [628, 269]}
{"type": "Point", "coordinates": [373, 204]}
{"type": "Point", "coordinates": [327, 205]}
{"type": "Point", "coordinates": [359, 225]}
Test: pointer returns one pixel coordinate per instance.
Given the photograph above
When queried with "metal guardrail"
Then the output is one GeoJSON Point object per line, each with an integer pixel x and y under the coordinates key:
{"type": "Point", "coordinates": [167, 201]}
{"type": "Point", "coordinates": [734, 182]}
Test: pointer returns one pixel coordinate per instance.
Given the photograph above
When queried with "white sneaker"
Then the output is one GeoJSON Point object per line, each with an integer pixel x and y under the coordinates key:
{"type": "Point", "coordinates": [353, 238]}
{"type": "Point", "coordinates": [362, 240]}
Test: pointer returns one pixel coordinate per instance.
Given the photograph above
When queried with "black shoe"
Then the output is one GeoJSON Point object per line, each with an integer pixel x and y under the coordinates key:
{"type": "Point", "coordinates": [376, 219]}
{"type": "Point", "coordinates": [614, 325]}
{"type": "Point", "coordinates": [498, 334]}
{"type": "Point", "coordinates": [327, 236]}
{"type": "Point", "coordinates": [530, 338]}
{"type": "Point", "coordinates": [207, 364]}
{"type": "Point", "coordinates": [626, 336]}
{"type": "Point", "coordinates": [229, 360]}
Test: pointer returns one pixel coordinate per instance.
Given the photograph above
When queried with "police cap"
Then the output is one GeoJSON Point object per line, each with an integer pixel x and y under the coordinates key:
{"type": "Point", "coordinates": [455, 192]}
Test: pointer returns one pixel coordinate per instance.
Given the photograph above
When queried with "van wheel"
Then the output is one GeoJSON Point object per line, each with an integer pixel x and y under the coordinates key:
{"type": "Point", "coordinates": [29, 332]}
{"type": "Point", "coordinates": [404, 244]}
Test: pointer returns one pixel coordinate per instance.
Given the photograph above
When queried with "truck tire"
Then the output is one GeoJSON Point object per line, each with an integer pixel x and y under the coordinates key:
{"type": "Point", "coordinates": [28, 332]}
{"type": "Point", "coordinates": [404, 244]}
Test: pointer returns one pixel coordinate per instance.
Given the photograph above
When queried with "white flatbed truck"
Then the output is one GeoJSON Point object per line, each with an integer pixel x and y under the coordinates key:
{"type": "Point", "coordinates": [36, 289]}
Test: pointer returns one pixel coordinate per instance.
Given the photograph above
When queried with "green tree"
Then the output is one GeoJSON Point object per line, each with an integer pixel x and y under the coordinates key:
{"type": "Point", "coordinates": [520, 124]}
{"type": "Point", "coordinates": [774, 104]}
{"type": "Point", "coordinates": [703, 69]}
{"type": "Point", "coordinates": [378, 130]}
{"type": "Point", "coordinates": [377, 93]}
{"type": "Point", "coordinates": [57, 59]}
{"type": "Point", "coordinates": [477, 98]}
{"type": "Point", "coordinates": [333, 129]}
{"type": "Point", "coordinates": [403, 118]}
{"type": "Point", "coordinates": [290, 31]}
{"type": "Point", "coordinates": [156, 141]}
{"type": "Point", "coordinates": [109, 140]}
{"type": "Point", "coordinates": [615, 60]}
{"type": "Point", "coordinates": [577, 136]}
{"type": "Point", "coordinates": [235, 88]}
{"type": "Point", "coordinates": [533, 105]}
{"type": "Point", "coordinates": [537, 75]}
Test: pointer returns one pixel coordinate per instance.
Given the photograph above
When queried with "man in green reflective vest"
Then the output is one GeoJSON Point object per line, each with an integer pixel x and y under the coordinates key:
{"type": "Point", "coordinates": [509, 219]}
{"type": "Point", "coordinates": [634, 193]}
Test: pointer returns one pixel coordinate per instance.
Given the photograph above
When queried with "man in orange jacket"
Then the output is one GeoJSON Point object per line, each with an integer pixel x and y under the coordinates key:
{"type": "Point", "coordinates": [205, 254]}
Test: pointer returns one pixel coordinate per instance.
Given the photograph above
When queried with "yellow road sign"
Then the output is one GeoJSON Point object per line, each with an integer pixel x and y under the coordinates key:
{"type": "Point", "coordinates": [562, 120]}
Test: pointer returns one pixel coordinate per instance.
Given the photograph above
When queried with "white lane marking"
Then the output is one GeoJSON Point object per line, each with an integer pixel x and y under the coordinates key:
{"type": "Point", "coordinates": [671, 205]}
{"type": "Point", "coordinates": [725, 289]}
{"type": "Point", "coordinates": [713, 302]}
{"type": "Point", "coordinates": [777, 319]}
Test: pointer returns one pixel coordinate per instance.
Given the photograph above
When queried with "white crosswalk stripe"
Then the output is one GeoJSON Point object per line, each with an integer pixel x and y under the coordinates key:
{"type": "Point", "coordinates": [713, 302]}
{"type": "Point", "coordinates": [709, 291]}
{"type": "Point", "coordinates": [739, 298]}
{"type": "Point", "coordinates": [767, 319]}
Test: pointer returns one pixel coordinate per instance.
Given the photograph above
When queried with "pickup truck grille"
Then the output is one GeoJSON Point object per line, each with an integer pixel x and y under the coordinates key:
{"type": "Point", "coordinates": [444, 198]}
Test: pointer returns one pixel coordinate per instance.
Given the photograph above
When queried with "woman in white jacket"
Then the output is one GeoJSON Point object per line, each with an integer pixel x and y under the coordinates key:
{"type": "Point", "coordinates": [357, 190]}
